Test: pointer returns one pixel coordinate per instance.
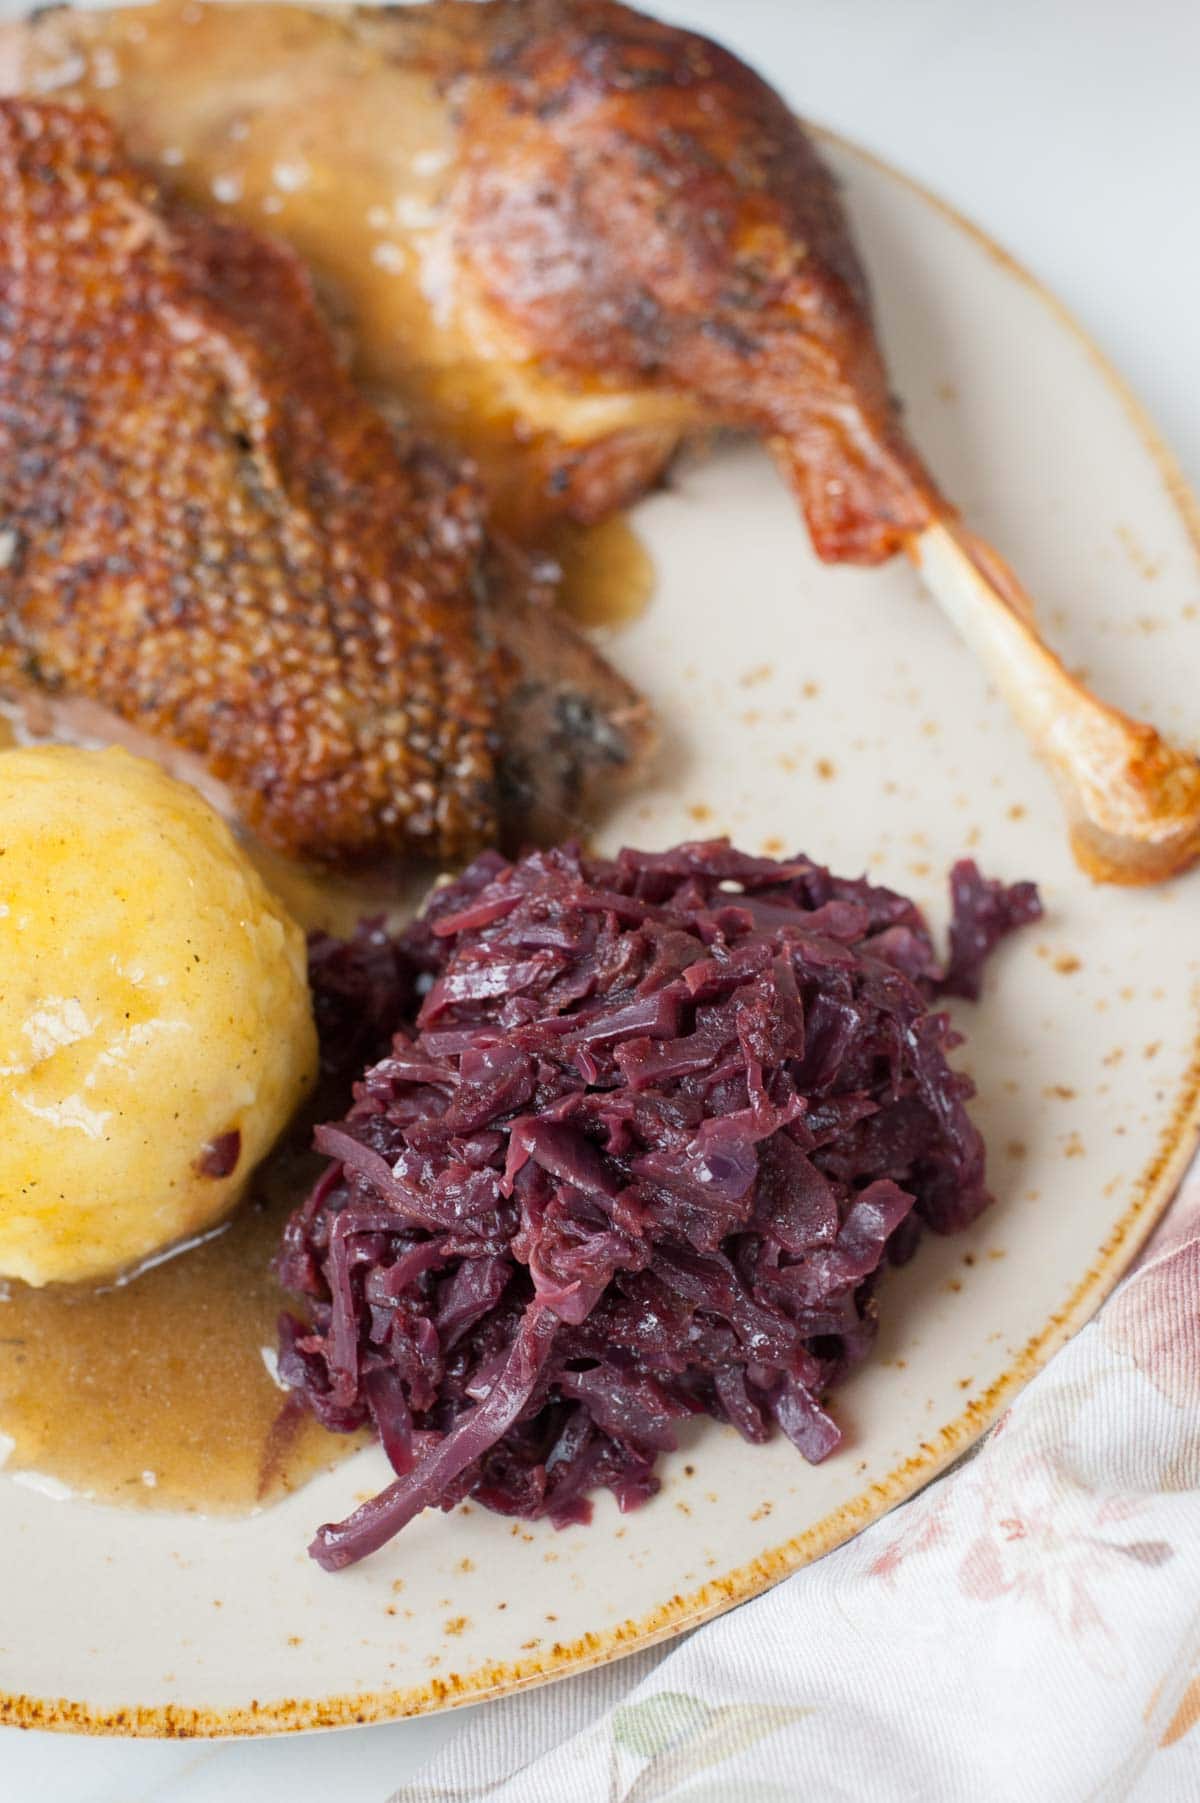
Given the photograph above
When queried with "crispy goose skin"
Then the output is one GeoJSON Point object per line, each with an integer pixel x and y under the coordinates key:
{"type": "Point", "coordinates": [633, 199]}
{"type": "Point", "coordinates": [563, 233]}
{"type": "Point", "coordinates": [209, 535]}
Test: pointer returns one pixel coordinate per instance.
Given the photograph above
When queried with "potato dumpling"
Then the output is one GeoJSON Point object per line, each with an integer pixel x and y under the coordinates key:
{"type": "Point", "coordinates": [156, 1029]}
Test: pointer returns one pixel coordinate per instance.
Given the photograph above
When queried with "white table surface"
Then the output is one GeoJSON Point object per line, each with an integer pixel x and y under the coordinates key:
{"type": "Point", "coordinates": [1070, 130]}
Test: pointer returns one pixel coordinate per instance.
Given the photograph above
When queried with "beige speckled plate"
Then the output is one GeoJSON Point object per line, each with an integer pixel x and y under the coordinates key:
{"type": "Point", "coordinates": [831, 710]}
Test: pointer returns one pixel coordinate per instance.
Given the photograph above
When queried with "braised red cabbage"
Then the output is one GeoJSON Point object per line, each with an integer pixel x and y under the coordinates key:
{"type": "Point", "coordinates": [658, 1125]}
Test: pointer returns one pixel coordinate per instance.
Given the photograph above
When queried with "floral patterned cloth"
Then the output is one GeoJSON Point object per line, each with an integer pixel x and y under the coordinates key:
{"type": "Point", "coordinates": [1026, 1628]}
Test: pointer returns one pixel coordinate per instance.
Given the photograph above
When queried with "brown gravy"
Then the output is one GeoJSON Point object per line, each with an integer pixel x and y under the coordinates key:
{"type": "Point", "coordinates": [156, 1393]}
{"type": "Point", "coordinates": [607, 572]}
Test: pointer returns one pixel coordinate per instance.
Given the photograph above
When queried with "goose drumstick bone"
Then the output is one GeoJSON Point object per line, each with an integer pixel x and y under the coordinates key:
{"type": "Point", "coordinates": [1132, 800]}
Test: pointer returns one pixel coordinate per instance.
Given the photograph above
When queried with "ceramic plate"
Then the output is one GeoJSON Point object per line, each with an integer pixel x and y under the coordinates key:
{"type": "Point", "coordinates": [831, 710]}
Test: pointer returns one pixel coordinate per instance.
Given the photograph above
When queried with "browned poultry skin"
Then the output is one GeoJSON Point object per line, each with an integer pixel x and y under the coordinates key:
{"type": "Point", "coordinates": [633, 199]}
{"type": "Point", "coordinates": [626, 235]}
{"type": "Point", "coordinates": [208, 533]}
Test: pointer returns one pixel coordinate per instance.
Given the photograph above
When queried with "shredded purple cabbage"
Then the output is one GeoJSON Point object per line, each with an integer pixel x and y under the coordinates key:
{"type": "Point", "coordinates": [982, 912]}
{"type": "Point", "coordinates": [643, 1153]}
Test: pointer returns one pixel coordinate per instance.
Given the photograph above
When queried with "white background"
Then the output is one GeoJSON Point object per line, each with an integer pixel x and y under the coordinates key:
{"type": "Point", "coordinates": [1070, 130]}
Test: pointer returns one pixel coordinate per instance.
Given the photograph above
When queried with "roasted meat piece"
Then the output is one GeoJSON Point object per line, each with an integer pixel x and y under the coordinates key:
{"type": "Point", "coordinates": [210, 538]}
{"type": "Point", "coordinates": [567, 235]}
{"type": "Point", "coordinates": [562, 234]}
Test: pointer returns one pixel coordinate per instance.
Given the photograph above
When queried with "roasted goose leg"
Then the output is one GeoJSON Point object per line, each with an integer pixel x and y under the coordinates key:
{"type": "Point", "coordinates": [568, 234]}
{"type": "Point", "coordinates": [209, 539]}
